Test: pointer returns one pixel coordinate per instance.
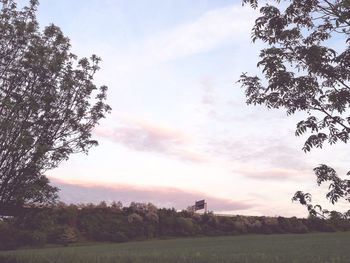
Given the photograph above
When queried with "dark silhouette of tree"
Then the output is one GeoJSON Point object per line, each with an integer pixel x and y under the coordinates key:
{"type": "Point", "coordinates": [64, 224]}
{"type": "Point", "coordinates": [48, 104]}
{"type": "Point", "coordinates": [307, 68]}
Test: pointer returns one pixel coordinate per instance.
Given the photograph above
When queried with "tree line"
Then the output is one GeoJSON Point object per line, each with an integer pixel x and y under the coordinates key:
{"type": "Point", "coordinates": [64, 224]}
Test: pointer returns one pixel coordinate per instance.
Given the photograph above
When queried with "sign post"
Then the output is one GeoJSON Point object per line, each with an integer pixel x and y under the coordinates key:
{"type": "Point", "coordinates": [201, 204]}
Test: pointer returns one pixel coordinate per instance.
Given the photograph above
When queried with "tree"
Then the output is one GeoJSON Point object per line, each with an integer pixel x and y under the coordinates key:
{"type": "Point", "coordinates": [49, 104]}
{"type": "Point", "coordinates": [306, 70]}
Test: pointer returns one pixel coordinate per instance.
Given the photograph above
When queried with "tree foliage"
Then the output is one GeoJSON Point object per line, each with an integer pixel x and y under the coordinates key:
{"type": "Point", "coordinates": [48, 104]}
{"type": "Point", "coordinates": [338, 190]}
{"type": "Point", "coordinates": [306, 66]}
{"type": "Point", "coordinates": [65, 224]}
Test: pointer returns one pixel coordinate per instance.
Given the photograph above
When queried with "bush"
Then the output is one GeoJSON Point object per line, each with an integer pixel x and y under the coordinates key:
{"type": "Point", "coordinates": [8, 236]}
{"type": "Point", "coordinates": [184, 226]}
{"type": "Point", "coordinates": [64, 235]}
{"type": "Point", "coordinates": [39, 238]}
{"type": "Point", "coordinates": [297, 226]}
{"type": "Point", "coordinates": [31, 238]}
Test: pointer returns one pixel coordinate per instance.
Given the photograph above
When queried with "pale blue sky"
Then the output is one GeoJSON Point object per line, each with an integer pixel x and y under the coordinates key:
{"type": "Point", "coordinates": [180, 129]}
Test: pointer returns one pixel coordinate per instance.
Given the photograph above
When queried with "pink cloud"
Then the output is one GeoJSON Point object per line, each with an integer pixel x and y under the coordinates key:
{"type": "Point", "coordinates": [140, 135]}
{"type": "Point", "coordinates": [141, 138]}
{"type": "Point", "coordinates": [188, 155]}
{"type": "Point", "coordinates": [271, 174]}
{"type": "Point", "coordinates": [160, 196]}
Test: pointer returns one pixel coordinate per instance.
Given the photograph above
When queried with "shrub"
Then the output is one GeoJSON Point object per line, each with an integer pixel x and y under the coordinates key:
{"type": "Point", "coordinates": [31, 238]}
{"type": "Point", "coordinates": [64, 235]}
{"type": "Point", "coordinates": [8, 236]}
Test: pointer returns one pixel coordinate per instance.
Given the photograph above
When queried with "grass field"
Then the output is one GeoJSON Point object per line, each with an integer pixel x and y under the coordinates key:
{"type": "Point", "coordinates": [306, 248]}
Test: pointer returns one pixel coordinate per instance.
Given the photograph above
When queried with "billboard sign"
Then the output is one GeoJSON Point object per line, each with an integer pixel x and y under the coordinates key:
{"type": "Point", "coordinates": [199, 205]}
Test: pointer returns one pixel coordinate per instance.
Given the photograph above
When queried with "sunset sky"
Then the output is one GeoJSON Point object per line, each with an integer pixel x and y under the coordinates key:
{"type": "Point", "coordinates": [180, 130]}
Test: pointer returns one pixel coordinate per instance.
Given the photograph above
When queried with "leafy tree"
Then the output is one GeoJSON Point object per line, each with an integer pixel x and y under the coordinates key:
{"type": "Point", "coordinates": [67, 235]}
{"type": "Point", "coordinates": [48, 104]}
{"type": "Point", "coordinates": [65, 224]}
{"type": "Point", "coordinates": [306, 66]}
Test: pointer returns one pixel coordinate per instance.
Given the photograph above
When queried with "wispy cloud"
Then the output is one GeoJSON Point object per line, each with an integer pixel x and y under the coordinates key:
{"type": "Point", "coordinates": [212, 30]}
{"type": "Point", "coordinates": [275, 174]}
{"type": "Point", "coordinates": [208, 97]}
{"type": "Point", "coordinates": [161, 196]}
{"type": "Point", "coordinates": [266, 158]}
{"type": "Point", "coordinates": [141, 135]}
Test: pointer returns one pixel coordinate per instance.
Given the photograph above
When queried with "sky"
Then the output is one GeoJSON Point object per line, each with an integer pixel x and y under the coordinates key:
{"type": "Point", "coordinates": [180, 129]}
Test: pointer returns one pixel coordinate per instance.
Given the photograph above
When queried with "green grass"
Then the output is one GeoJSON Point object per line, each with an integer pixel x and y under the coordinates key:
{"type": "Point", "coordinates": [307, 248]}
